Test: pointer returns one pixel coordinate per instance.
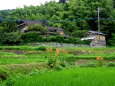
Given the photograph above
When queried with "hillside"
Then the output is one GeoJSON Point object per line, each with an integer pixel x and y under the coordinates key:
{"type": "Point", "coordinates": [73, 16]}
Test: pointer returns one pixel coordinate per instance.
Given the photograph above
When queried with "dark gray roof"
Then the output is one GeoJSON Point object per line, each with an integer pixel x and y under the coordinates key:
{"type": "Point", "coordinates": [30, 22]}
{"type": "Point", "coordinates": [95, 32]}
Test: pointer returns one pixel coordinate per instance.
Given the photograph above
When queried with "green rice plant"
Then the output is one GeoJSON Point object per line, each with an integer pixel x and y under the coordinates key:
{"type": "Point", "coordinates": [71, 77]}
{"type": "Point", "coordinates": [91, 64]}
{"type": "Point", "coordinates": [43, 48]}
{"type": "Point", "coordinates": [110, 64]}
{"type": "Point", "coordinates": [52, 62]}
{"type": "Point", "coordinates": [8, 55]}
{"type": "Point", "coordinates": [3, 76]}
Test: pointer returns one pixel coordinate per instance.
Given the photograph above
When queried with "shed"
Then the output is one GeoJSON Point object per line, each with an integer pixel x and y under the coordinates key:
{"type": "Point", "coordinates": [98, 39]}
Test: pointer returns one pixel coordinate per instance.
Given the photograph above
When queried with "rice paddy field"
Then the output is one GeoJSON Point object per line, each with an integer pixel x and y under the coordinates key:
{"type": "Point", "coordinates": [71, 77]}
{"type": "Point", "coordinates": [26, 65]}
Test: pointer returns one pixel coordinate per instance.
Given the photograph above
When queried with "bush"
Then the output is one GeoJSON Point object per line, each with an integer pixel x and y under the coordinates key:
{"type": "Point", "coordinates": [112, 40]}
{"type": "Point", "coordinates": [13, 38]}
{"type": "Point", "coordinates": [99, 63]}
{"type": "Point", "coordinates": [30, 37]}
{"type": "Point", "coordinates": [58, 67]}
{"type": "Point", "coordinates": [41, 48]}
{"type": "Point", "coordinates": [63, 62]}
{"type": "Point", "coordinates": [59, 39]}
{"type": "Point", "coordinates": [3, 75]}
{"type": "Point", "coordinates": [66, 40]}
{"type": "Point", "coordinates": [51, 39]}
{"type": "Point", "coordinates": [88, 65]}
{"type": "Point", "coordinates": [110, 64]}
{"type": "Point", "coordinates": [79, 33]}
{"type": "Point", "coordinates": [52, 62]}
{"type": "Point", "coordinates": [37, 27]}
{"type": "Point", "coordinates": [69, 59]}
{"type": "Point", "coordinates": [55, 64]}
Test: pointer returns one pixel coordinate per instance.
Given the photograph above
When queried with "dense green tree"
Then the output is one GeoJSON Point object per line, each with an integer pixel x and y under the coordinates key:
{"type": "Point", "coordinates": [79, 33]}
{"type": "Point", "coordinates": [9, 26]}
{"type": "Point", "coordinates": [12, 38]}
{"type": "Point", "coordinates": [59, 15]}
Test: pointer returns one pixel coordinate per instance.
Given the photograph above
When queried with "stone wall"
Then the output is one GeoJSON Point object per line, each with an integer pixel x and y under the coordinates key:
{"type": "Point", "coordinates": [57, 44]}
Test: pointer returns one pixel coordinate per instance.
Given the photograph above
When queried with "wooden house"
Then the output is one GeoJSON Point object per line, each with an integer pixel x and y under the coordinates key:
{"type": "Point", "coordinates": [98, 39]}
{"type": "Point", "coordinates": [24, 24]}
{"type": "Point", "coordinates": [55, 30]}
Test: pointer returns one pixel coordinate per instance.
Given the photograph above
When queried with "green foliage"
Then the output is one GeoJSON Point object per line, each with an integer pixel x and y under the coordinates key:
{"type": "Point", "coordinates": [69, 77]}
{"type": "Point", "coordinates": [37, 27]}
{"type": "Point", "coordinates": [13, 38]}
{"type": "Point", "coordinates": [110, 64]}
{"type": "Point", "coordinates": [43, 48]}
{"type": "Point", "coordinates": [1, 30]}
{"type": "Point", "coordinates": [112, 40]}
{"type": "Point", "coordinates": [73, 10]}
{"type": "Point", "coordinates": [35, 58]}
{"type": "Point", "coordinates": [69, 59]}
{"type": "Point", "coordinates": [9, 26]}
{"type": "Point", "coordinates": [91, 64]}
{"type": "Point", "coordinates": [79, 33]}
{"type": "Point", "coordinates": [59, 39]}
{"type": "Point", "coordinates": [99, 63]}
{"type": "Point", "coordinates": [55, 63]}
{"type": "Point", "coordinates": [30, 37]}
{"type": "Point", "coordinates": [3, 75]}
{"type": "Point", "coordinates": [52, 62]}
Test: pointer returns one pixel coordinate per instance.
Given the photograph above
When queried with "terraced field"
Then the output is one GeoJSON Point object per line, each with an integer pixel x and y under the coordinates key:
{"type": "Point", "coordinates": [29, 62]}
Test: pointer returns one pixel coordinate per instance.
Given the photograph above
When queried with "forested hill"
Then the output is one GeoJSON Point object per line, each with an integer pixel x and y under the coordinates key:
{"type": "Point", "coordinates": [72, 11]}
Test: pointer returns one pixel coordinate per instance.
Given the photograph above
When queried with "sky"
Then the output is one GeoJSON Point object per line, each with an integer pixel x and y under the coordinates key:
{"type": "Point", "coordinates": [12, 4]}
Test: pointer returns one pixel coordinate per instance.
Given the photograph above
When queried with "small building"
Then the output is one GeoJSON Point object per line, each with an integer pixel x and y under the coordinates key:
{"type": "Point", "coordinates": [98, 39]}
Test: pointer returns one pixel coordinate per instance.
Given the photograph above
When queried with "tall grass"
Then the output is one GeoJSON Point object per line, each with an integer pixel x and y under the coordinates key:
{"type": "Point", "coordinates": [71, 77]}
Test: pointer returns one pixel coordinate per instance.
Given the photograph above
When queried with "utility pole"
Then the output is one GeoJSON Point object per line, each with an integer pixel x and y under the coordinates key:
{"type": "Point", "coordinates": [99, 9]}
{"type": "Point", "coordinates": [98, 19]}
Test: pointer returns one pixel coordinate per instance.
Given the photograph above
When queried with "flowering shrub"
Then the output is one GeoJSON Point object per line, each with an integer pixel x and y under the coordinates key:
{"type": "Point", "coordinates": [49, 49]}
{"type": "Point", "coordinates": [99, 58]}
{"type": "Point", "coordinates": [100, 61]}
{"type": "Point", "coordinates": [58, 51]}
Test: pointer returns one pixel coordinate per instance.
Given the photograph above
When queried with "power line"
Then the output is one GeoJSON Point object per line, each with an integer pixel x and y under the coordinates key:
{"type": "Point", "coordinates": [108, 19]}
{"type": "Point", "coordinates": [59, 20]}
{"type": "Point", "coordinates": [50, 20]}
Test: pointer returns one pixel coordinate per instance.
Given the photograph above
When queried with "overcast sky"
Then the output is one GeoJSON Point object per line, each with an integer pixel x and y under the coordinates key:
{"type": "Point", "coordinates": [12, 4]}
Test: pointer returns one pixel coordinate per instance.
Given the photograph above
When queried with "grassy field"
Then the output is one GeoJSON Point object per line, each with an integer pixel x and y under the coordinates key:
{"type": "Point", "coordinates": [30, 54]}
{"type": "Point", "coordinates": [23, 59]}
{"type": "Point", "coordinates": [71, 77]}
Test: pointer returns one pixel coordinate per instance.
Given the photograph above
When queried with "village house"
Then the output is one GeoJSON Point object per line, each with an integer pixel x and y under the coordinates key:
{"type": "Point", "coordinates": [55, 30]}
{"type": "Point", "coordinates": [97, 39]}
{"type": "Point", "coordinates": [24, 25]}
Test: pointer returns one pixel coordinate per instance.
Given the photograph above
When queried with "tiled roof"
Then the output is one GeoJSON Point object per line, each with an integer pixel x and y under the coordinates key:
{"type": "Point", "coordinates": [100, 33]}
{"type": "Point", "coordinates": [30, 22]}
